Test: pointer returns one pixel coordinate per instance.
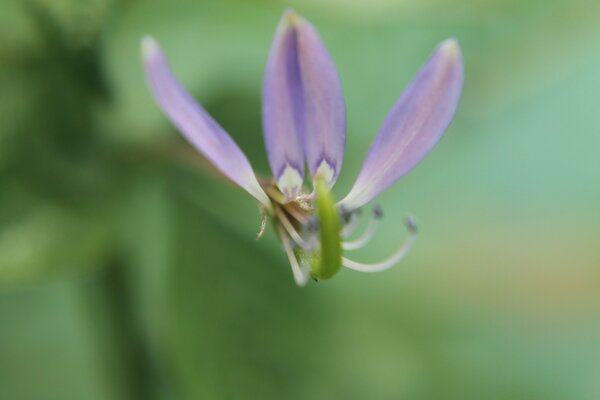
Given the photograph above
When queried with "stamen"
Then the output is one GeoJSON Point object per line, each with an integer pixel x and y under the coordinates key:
{"type": "Point", "coordinates": [364, 238]}
{"type": "Point", "coordinates": [393, 259]}
{"type": "Point", "coordinates": [345, 215]}
{"type": "Point", "coordinates": [312, 225]}
{"type": "Point", "coordinates": [367, 234]}
{"type": "Point", "coordinates": [263, 223]}
{"type": "Point", "coordinates": [351, 220]}
{"type": "Point", "coordinates": [300, 274]}
{"type": "Point", "coordinates": [377, 212]}
{"type": "Point", "coordinates": [310, 233]}
{"type": "Point", "coordinates": [275, 195]}
{"type": "Point", "coordinates": [289, 228]}
{"type": "Point", "coordinates": [297, 215]}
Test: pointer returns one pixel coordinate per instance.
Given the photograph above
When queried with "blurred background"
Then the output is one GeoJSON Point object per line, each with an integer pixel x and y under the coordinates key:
{"type": "Point", "coordinates": [130, 270]}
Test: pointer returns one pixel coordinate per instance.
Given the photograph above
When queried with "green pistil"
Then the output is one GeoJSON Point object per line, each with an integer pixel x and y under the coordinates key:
{"type": "Point", "coordinates": [329, 261]}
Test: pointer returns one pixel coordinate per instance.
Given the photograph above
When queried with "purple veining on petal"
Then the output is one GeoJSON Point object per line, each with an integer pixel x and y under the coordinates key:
{"type": "Point", "coordinates": [303, 106]}
{"type": "Point", "coordinates": [325, 133]}
{"type": "Point", "coordinates": [413, 127]}
{"type": "Point", "coordinates": [195, 123]}
{"type": "Point", "coordinates": [327, 168]}
{"type": "Point", "coordinates": [283, 111]}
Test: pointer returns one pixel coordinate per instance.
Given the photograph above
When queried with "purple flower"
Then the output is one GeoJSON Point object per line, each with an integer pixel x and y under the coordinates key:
{"type": "Point", "coordinates": [304, 123]}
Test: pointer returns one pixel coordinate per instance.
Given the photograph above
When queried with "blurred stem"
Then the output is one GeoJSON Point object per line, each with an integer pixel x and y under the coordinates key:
{"type": "Point", "coordinates": [141, 377]}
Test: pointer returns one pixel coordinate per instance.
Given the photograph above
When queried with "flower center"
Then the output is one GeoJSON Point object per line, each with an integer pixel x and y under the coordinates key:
{"type": "Point", "coordinates": [314, 231]}
{"type": "Point", "coordinates": [310, 229]}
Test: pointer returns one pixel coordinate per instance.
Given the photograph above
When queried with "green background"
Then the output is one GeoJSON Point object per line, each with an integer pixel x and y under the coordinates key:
{"type": "Point", "coordinates": [130, 270]}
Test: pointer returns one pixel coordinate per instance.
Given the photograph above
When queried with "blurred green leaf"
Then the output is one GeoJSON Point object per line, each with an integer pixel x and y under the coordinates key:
{"type": "Point", "coordinates": [236, 321]}
{"type": "Point", "coordinates": [499, 298]}
{"type": "Point", "coordinates": [60, 341]}
{"type": "Point", "coordinates": [46, 241]}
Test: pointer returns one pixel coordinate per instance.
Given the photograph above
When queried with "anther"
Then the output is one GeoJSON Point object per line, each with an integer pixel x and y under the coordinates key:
{"type": "Point", "coordinates": [377, 212]}
{"type": "Point", "coordinates": [312, 225]}
{"type": "Point", "coordinates": [351, 225]}
{"type": "Point", "coordinates": [345, 214]}
{"type": "Point", "coordinates": [411, 225]}
{"type": "Point", "coordinates": [301, 275]}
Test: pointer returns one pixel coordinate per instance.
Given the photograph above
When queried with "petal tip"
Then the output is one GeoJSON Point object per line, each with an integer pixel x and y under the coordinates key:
{"type": "Point", "coordinates": [149, 47]}
{"type": "Point", "coordinates": [291, 18]}
{"type": "Point", "coordinates": [451, 48]}
{"type": "Point", "coordinates": [407, 136]}
{"type": "Point", "coordinates": [290, 14]}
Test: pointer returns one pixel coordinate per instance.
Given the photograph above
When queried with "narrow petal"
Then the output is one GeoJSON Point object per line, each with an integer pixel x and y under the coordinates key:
{"type": "Point", "coordinates": [195, 123]}
{"type": "Point", "coordinates": [325, 134]}
{"type": "Point", "coordinates": [303, 107]}
{"type": "Point", "coordinates": [414, 125]}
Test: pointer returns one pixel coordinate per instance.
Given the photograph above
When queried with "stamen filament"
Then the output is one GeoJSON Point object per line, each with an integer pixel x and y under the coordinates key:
{"type": "Point", "coordinates": [390, 261]}
{"type": "Point", "coordinates": [350, 226]}
{"type": "Point", "coordinates": [276, 195]}
{"type": "Point", "coordinates": [301, 275]}
{"type": "Point", "coordinates": [297, 215]}
{"type": "Point", "coordinates": [289, 228]}
{"type": "Point", "coordinates": [363, 239]}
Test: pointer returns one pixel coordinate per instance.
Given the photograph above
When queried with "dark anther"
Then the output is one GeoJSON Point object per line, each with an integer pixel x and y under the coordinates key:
{"type": "Point", "coordinates": [345, 214]}
{"type": "Point", "coordinates": [312, 225]}
{"type": "Point", "coordinates": [411, 225]}
{"type": "Point", "coordinates": [377, 212]}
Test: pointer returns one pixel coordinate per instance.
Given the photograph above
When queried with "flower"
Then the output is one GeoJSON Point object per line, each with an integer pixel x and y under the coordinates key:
{"type": "Point", "coordinates": [304, 123]}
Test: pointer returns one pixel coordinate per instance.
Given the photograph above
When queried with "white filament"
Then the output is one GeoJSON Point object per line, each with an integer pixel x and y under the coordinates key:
{"type": "Point", "coordinates": [300, 274]}
{"type": "Point", "coordinates": [299, 216]}
{"type": "Point", "coordinates": [350, 226]}
{"type": "Point", "coordinates": [364, 238]}
{"type": "Point", "coordinates": [387, 263]}
{"type": "Point", "coordinates": [289, 228]}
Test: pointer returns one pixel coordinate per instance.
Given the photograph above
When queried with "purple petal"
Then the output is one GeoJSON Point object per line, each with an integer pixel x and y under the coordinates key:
{"type": "Point", "coordinates": [325, 130]}
{"type": "Point", "coordinates": [414, 125]}
{"type": "Point", "coordinates": [195, 123]}
{"type": "Point", "coordinates": [303, 107]}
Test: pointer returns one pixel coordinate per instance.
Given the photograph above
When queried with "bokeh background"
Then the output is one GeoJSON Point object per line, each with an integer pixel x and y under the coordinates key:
{"type": "Point", "coordinates": [129, 269]}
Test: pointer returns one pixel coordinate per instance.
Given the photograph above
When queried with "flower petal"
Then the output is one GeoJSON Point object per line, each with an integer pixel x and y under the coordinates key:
{"type": "Point", "coordinates": [414, 125]}
{"type": "Point", "coordinates": [195, 123]}
{"type": "Point", "coordinates": [325, 134]}
{"type": "Point", "coordinates": [303, 107]}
